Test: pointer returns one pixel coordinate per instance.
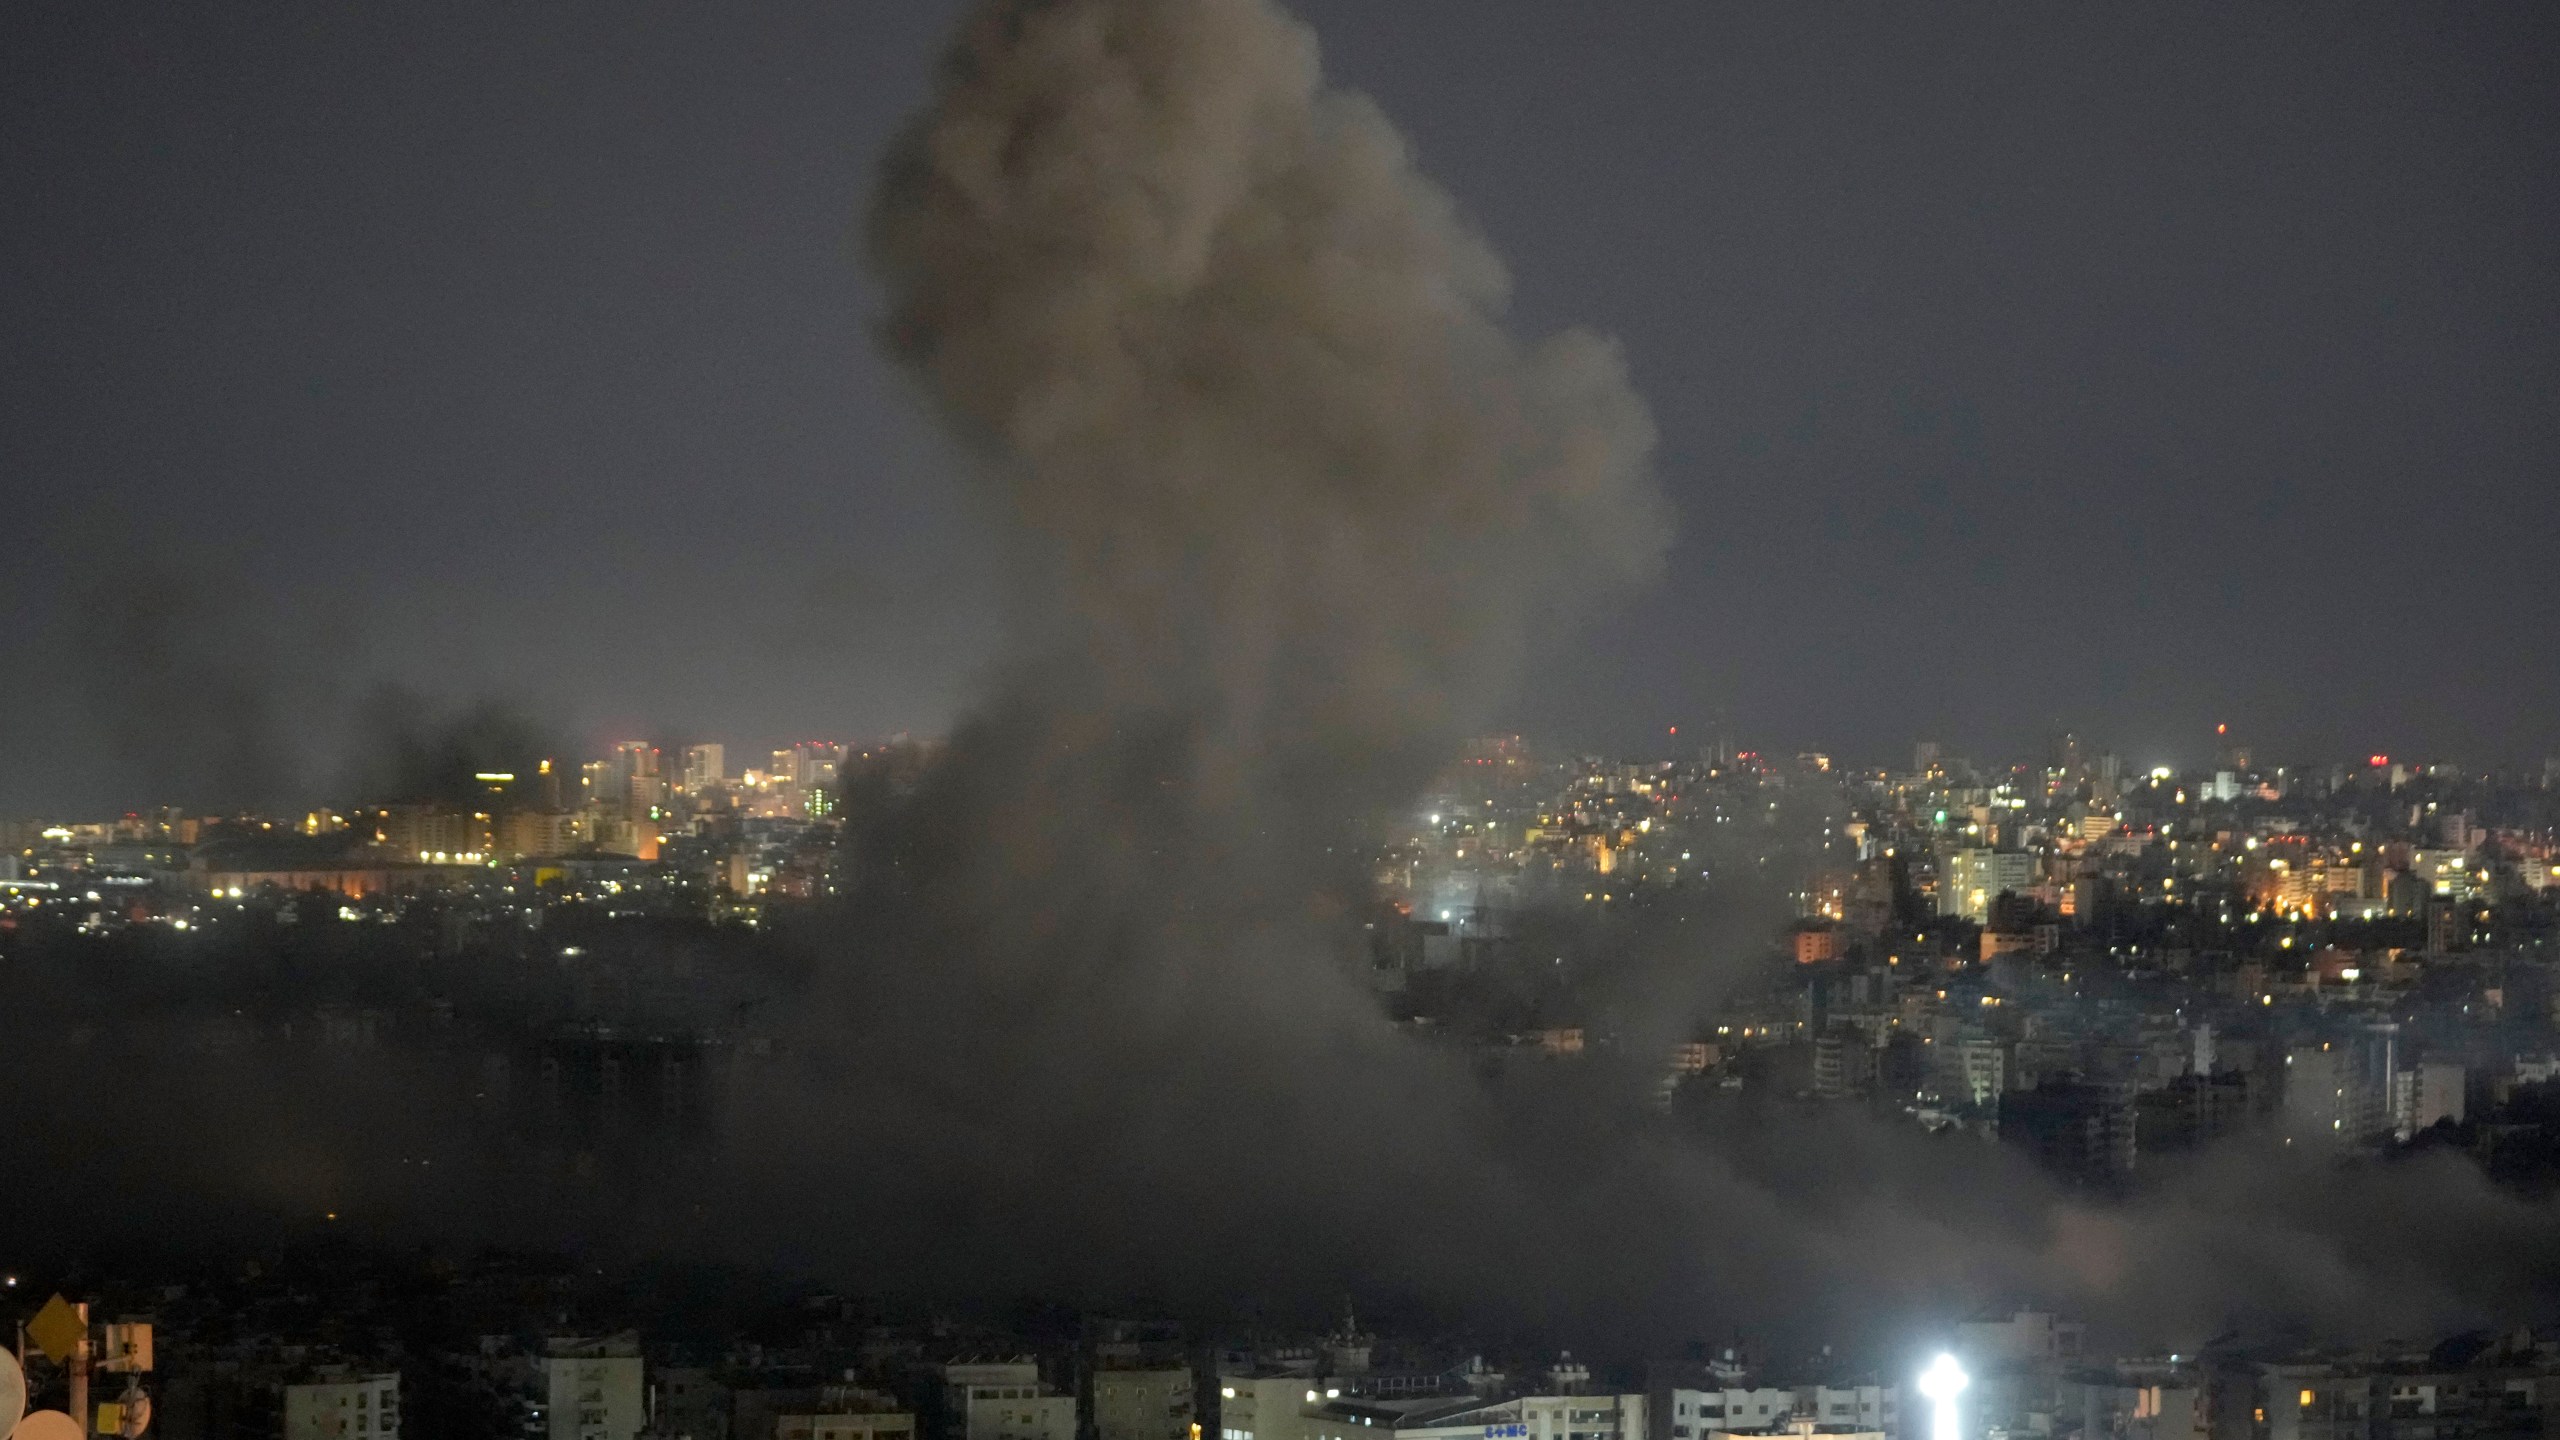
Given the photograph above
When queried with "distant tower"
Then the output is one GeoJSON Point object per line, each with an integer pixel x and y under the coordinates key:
{"type": "Point", "coordinates": [705, 767]}
{"type": "Point", "coordinates": [1347, 1350]}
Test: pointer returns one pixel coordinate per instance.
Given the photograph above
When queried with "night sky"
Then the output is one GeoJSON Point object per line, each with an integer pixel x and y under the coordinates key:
{"type": "Point", "coordinates": [2016, 368]}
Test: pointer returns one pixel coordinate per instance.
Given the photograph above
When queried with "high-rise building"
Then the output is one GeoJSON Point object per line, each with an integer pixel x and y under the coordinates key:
{"type": "Point", "coordinates": [2333, 1094]}
{"type": "Point", "coordinates": [705, 766]}
{"type": "Point", "coordinates": [806, 775]}
{"type": "Point", "coordinates": [2082, 1129]}
{"type": "Point", "coordinates": [1969, 880]}
{"type": "Point", "coordinates": [1984, 1068]}
{"type": "Point", "coordinates": [2423, 1094]}
{"type": "Point", "coordinates": [1844, 1065]}
{"type": "Point", "coordinates": [637, 787]}
{"type": "Point", "coordinates": [436, 833]}
{"type": "Point", "coordinates": [540, 834]}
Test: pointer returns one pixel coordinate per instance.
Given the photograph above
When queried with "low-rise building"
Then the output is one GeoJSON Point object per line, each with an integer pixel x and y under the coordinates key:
{"type": "Point", "coordinates": [341, 1405]}
{"type": "Point", "coordinates": [593, 1389]}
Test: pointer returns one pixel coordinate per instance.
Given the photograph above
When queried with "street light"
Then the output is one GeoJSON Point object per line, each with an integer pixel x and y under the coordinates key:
{"type": "Point", "coordinates": [1942, 1382]}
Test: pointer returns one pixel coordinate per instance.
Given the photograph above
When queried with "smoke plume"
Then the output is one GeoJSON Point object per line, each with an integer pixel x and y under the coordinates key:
{"type": "Point", "coordinates": [1289, 510]}
{"type": "Point", "coordinates": [1291, 507]}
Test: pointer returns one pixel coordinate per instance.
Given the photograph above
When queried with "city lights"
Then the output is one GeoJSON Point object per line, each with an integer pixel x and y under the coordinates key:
{"type": "Point", "coordinates": [1940, 1384]}
{"type": "Point", "coordinates": [460, 452]}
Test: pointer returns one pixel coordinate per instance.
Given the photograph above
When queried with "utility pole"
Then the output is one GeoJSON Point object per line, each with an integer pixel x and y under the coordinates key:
{"type": "Point", "coordinates": [80, 1372]}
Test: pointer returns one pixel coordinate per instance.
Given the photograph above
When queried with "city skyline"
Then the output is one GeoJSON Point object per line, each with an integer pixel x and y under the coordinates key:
{"type": "Point", "coordinates": [1599, 722]}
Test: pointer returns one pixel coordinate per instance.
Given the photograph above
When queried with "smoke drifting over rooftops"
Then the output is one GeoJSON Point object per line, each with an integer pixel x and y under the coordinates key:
{"type": "Point", "coordinates": [1290, 508]}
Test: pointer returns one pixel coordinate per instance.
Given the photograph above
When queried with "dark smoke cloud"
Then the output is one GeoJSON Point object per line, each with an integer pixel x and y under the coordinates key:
{"type": "Point", "coordinates": [1292, 509]}
{"type": "Point", "coordinates": [1292, 506]}
{"type": "Point", "coordinates": [407, 748]}
{"type": "Point", "coordinates": [179, 689]}
{"type": "Point", "coordinates": [174, 678]}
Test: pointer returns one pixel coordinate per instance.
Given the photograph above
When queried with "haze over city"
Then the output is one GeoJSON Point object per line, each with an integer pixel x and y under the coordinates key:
{"type": "Point", "coordinates": [1095, 719]}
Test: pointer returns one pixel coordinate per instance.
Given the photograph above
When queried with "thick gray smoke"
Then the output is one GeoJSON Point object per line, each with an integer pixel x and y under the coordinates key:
{"type": "Point", "coordinates": [1291, 507]}
{"type": "Point", "coordinates": [1240, 375]}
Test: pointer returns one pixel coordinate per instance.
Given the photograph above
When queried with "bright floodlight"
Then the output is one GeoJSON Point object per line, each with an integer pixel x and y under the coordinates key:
{"type": "Point", "coordinates": [1941, 1383]}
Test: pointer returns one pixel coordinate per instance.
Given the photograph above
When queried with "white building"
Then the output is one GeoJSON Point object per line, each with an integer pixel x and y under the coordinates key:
{"type": "Point", "coordinates": [1263, 1407]}
{"type": "Point", "coordinates": [2445, 873]}
{"type": "Point", "coordinates": [1528, 1417]}
{"type": "Point", "coordinates": [594, 1389]}
{"type": "Point", "coordinates": [1004, 1400]}
{"type": "Point", "coordinates": [1986, 1070]}
{"type": "Point", "coordinates": [1695, 1413]}
{"type": "Point", "coordinates": [1771, 1410]}
{"type": "Point", "coordinates": [342, 1405]}
{"type": "Point", "coordinates": [2424, 1094]}
{"type": "Point", "coordinates": [1969, 880]}
{"type": "Point", "coordinates": [705, 766]}
{"type": "Point", "coordinates": [1135, 1404]}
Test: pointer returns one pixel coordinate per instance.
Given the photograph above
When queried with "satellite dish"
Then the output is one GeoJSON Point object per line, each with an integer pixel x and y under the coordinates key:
{"type": "Point", "coordinates": [13, 1392]}
{"type": "Point", "coordinates": [47, 1425]}
{"type": "Point", "coordinates": [136, 1418]}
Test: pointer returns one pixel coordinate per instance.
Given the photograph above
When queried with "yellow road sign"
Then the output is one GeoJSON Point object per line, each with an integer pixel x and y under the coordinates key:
{"type": "Point", "coordinates": [56, 1329]}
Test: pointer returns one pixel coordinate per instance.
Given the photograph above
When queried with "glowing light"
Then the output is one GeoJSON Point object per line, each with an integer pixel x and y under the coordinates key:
{"type": "Point", "coordinates": [1942, 1382]}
